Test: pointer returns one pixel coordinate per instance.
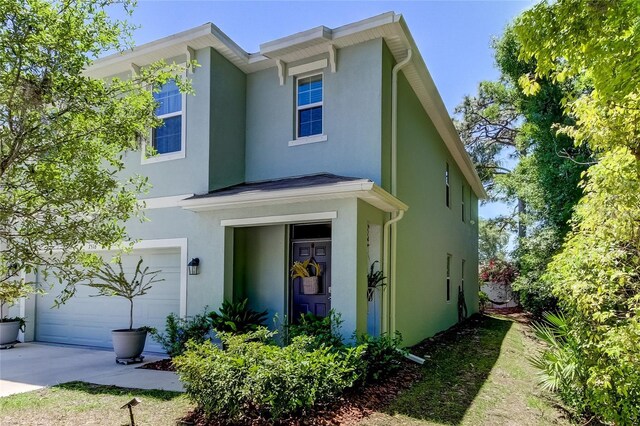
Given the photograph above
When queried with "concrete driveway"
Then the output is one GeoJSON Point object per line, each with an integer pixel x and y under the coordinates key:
{"type": "Point", "coordinates": [30, 366]}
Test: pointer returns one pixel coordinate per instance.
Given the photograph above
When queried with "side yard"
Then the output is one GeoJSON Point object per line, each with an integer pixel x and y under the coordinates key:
{"type": "Point", "coordinates": [477, 374]}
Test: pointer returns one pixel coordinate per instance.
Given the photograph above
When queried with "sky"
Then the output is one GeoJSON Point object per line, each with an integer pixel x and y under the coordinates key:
{"type": "Point", "coordinates": [454, 37]}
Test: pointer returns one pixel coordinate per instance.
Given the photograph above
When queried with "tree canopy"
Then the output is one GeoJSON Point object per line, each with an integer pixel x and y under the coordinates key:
{"type": "Point", "coordinates": [596, 275]}
{"type": "Point", "coordinates": [63, 134]}
{"type": "Point", "coordinates": [503, 125]}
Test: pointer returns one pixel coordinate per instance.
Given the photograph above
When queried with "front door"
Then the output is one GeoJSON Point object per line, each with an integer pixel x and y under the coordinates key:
{"type": "Point", "coordinates": [317, 303]}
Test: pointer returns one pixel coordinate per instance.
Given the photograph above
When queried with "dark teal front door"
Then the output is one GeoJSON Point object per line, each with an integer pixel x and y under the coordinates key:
{"type": "Point", "coordinates": [317, 303]}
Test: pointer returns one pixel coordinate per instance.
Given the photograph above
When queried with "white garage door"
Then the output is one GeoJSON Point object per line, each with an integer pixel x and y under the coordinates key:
{"type": "Point", "coordinates": [86, 320]}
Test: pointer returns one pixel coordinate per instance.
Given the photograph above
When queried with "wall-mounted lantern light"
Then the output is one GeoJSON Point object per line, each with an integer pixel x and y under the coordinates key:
{"type": "Point", "coordinates": [194, 266]}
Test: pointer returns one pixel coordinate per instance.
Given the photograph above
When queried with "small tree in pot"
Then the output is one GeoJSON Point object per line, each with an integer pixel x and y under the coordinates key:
{"type": "Point", "coordinates": [128, 344]}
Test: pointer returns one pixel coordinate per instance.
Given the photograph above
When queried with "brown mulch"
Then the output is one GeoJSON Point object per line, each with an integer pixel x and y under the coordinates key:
{"type": "Point", "coordinates": [517, 314]}
{"type": "Point", "coordinates": [352, 407]}
{"type": "Point", "coordinates": [162, 365]}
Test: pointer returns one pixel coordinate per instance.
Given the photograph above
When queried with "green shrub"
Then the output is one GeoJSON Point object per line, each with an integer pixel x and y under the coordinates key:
{"type": "Point", "coordinates": [534, 252]}
{"type": "Point", "coordinates": [254, 377]}
{"type": "Point", "coordinates": [178, 331]}
{"type": "Point", "coordinates": [323, 330]}
{"type": "Point", "coordinates": [535, 294]}
{"type": "Point", "coordinates": [596, 280]}
{"type": "Point", "coordinates": [562, 368]}
{"type": "Point", "coordinates": [382, 356]}
{"type": "Point", "coordinates": [237, 318]}
{"type": "Point", "coordinates": [483, 299]}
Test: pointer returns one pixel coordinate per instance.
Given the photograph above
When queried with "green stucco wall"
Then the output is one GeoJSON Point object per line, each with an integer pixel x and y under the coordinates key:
{"type": "Point", "coordinates": [367, 214]}
{"type": "Point", "coordinates": [385, 119]}
{"type": "Point", "coordinates": [260, 268]}
{"type": "Point", "coordinates": [219, 153]}
{"type": "Point", "coordinates": [352, 110]}
{"type": "Point", "coordinates": [227, 123]}
{"type": "Point", "coordinates": [189, 174]}
{"type": "Point", "coordinates": [430, 230]}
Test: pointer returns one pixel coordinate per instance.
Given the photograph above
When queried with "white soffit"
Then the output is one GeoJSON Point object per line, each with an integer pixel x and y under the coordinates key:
{"type": "Point", "coordinates": [362, 189]}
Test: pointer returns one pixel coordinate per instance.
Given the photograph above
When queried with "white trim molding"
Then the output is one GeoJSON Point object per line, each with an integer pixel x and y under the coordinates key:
{"type": "Point", "coordinates": [179, 243]}
{"type": "Point", "coordinates": [308, 139]}
{"type": "Point", "coordinates": [177, 155]}
{"type": "Point", "coordinates": [273, 220]}
{"type": "Point", "coordinates": [281, 76]}
{"type": "Point", "coordinates": [308, 67]}
{"type": "Point", "coordinates": [162, 202]}
{"type": "Point", "coordinates": [333, 58]}
{"type": "Point", "coordinates": [363, 189]}
{"type": "Point", "coordinates": [182, 244]}
{"type": "Point", "coordinates": [191, 56]}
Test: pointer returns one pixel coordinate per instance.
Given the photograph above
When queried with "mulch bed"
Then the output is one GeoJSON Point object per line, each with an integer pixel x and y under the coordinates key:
{"type": "Point", "coordinates": [517, 314]}
{"type": "Point", "coordinates": [162, 365]}
{"type": "Point", "coordinates": [352, 407]}
{"type": "Point", "coordinates": [358, 403]}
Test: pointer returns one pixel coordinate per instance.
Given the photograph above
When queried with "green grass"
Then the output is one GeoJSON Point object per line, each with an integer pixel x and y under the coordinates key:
{"type": "Point", "coordinates": [476, 375]}
{"type": "Point", "coordinates": [79, 403]}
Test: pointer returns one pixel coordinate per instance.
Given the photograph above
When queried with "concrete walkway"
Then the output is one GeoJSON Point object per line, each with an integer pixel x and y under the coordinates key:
{"type": "Point", "coordinates": [30, 366]}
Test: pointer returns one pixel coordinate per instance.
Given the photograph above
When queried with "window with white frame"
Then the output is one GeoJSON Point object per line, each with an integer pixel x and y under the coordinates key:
{"type": "Point", "coordinates": [309, 106]}
{"type": "Point", "coordinates": [463, 212]}
{"type": "Point", "coordinates": [448, 277]}
{"type": "Point", "coordinates": [447, 187]}
{"type": "Point", "coordinates": [167, 138]}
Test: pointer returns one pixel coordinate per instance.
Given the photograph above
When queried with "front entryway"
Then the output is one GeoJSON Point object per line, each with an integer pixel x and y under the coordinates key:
{"type": "Point", "coordinates": [311, 242]}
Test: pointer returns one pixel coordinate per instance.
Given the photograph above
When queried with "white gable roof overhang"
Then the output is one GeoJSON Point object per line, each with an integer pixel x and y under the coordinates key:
{"type": "Point", "coordinates": [389, 26]}
{"type": "Point", "coordinates": [362, 189]}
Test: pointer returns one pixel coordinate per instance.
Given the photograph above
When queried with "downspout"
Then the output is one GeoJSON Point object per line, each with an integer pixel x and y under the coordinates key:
{"type": "Point", "coordinates": [387, 325]}
{"type": "Point", "coordinates": [389, 247]}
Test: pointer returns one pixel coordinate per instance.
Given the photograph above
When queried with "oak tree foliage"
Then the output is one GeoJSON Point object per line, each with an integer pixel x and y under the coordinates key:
{"type": "Point", "coordinates": [596, 275]}
{"type": "Point", "coordinates": [63, 134]}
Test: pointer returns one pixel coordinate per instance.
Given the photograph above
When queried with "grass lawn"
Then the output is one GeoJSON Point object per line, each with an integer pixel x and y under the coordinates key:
{"type": "Point", "coordinates": [475, 375]}
{"type": "Point", "coordinates": [478, 375]}
{"type": "Point", "coordinates": [78, 403]}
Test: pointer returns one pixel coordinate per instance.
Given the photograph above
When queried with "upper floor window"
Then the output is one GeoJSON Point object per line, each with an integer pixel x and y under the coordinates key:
{"type": "Point", "coordinates": [448, 277]}
{"type": "Point", "coordinates": [309, 106]}
{"type": "Point", "coordinates": [447, 188]}
{"type": "Point", "coordinates": [463, 212]}
{"type": "Point", "coordinates": [167, 138]}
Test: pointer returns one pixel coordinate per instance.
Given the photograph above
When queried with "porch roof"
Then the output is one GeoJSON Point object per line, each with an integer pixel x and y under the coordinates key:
{"type": "Point", "coordinates": [316, 187]}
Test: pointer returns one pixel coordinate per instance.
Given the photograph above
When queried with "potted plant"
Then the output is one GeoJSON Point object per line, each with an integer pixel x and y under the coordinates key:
{"type": "Point", "coordinates": [309, 282]}
{"type": "Point", "coordinates": [128, 343]}
{"type": "Point", "coordinates": [375, 280]}
{"type": "Point", "coordinates": [10, 292]}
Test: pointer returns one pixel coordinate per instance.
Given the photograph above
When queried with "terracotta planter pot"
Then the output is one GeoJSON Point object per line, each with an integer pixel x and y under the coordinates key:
{"type": "Point", "coordinates": [9, 332]}
{"type": "Point", "coordinates": [128, 343]}
{"type": "Point", "coordinates": [310, 285]}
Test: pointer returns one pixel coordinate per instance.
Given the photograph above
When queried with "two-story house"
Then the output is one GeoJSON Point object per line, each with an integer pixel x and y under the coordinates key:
{"type": "Point", "coordinates": [330, 144]}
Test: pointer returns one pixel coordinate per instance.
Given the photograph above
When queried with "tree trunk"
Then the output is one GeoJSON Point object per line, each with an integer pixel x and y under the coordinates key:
{"type": "Point", "coordinates": [131, 314]}
{"type": "Point", "coordinates": [522, 209]}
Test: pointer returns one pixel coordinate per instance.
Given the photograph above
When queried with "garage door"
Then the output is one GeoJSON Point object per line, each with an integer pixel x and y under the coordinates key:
{"type": "Point", "coordinates": [87, 320]}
